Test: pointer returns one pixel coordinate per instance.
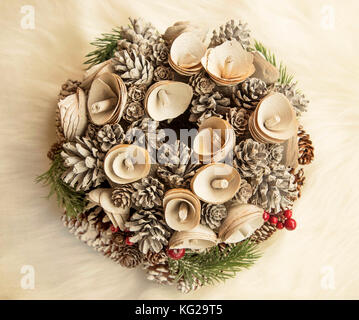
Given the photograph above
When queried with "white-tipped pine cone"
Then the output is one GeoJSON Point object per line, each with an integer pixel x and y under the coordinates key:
{"type": "Point", "coordinates": [213, 214]}
{"type": "Point", "coordinates": [148, 193]}
{"type": "Point", "coordinates": [249, 93]}
{"type": "Point", "coordinates": [296, 98]}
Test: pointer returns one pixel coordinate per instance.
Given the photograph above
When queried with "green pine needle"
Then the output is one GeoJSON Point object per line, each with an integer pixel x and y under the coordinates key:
{"type": "Point", "coordinates": [105, 45]}
{"type": "Point", "coordinates": [284, 77]}
{"type": "Point", "coordinates": [215, 265]}
{"type": "Point", "coordinates": [67, 197]}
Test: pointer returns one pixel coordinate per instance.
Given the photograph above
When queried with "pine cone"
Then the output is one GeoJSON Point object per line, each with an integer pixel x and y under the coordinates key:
{"type": "Point", "coordinates": [208, 105]}
{"type": "Point", "coordinates": [274, 191]}
{"type": "Point", "coordinates": [176, 167]}
{"type": "Point", "coordinates": [134, 111]}
{"type": "Point", "coordinates": [213, 214]}
{"type": "Point", "coordinates": [160, 53]}
{"type": "Point", "coordinates": [249, 93]}
{"type": "Point", "coordinates": [186, 287]}
{"type": "Point", "coordinates": [84, 162]}
{"type": "Point", "coordinates": [238, 118]}
{"type": "Point", "coordinates": [159, 273]}
{"type": "Point", "coordinates": [296, 98]}
{"type": "Point", "coordinates": [148, 193]}
{"type": "Point", "coordinates": [55, 149]}
{"type": "Point", "coordinates": [251, 158]}
{"type": "Point", "coordinates": [121, 196]}
{"type": "Point", "coordinates": [139, 31]}
{"type": "Point", "coordinates": [201, 84]}
{"type": "Point", "coordinates": [305, 146]}
{"type": "Point", "coordinates": [137, 93]}
{"type": "Point", "coordinates": [163, 73]}
{"type": "Point", "coordinates": [133, 67]}
{"type": "Point", "coordinates": [232, 31]}
{"type": "Point", "coordinates": [129, 256]}
{"type": "Point", "coordinates": [299, 179]}
{"type": "Point", "coordinates": [156, 258]}
{"type": "Point", "coordinates": [263, 233]}
{"type": "Point", "coordinates": [68, 88]}
{"type": "Point", "coordinates": [244, 193]}
{"type": "Point", "coordinates": [150, 230]}
{"type": "Point", "coordinates": [110, 135]}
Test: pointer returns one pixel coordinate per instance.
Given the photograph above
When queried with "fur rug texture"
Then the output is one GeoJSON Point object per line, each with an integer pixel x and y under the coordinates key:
{"type": "Point", "coordinates": [317, 40]}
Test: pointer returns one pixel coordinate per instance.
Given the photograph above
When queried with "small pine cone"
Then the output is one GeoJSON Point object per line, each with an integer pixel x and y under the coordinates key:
{"type": "Point", "coordinates": [129, 256]}
{"type": "Point", "coordinates": [150, 230]}
{"type": "Point", "coordinates": [55, 149]}
{"type": "Point", "coordinates": [68, 88]}
{"type": "Point", "coordinates": [238, 118]}
{"type": "Point", "coordinates": [232, 31]}
{"type": "Point", "coordinates": [186, 287]}
{"type": "Point", "coordinates": [156, 258]}
{"type": "Point", "coordinates": [160, 53]}
{"type": "Point", "coordinates": [263, 233]}
{"type": "Point", "coordinates": [159, 273]}
{"type": "Point", "coordinates": [148, 193]}
{"type": "Point", "coordinates": [249, 93]}
{"type": "Point", "coordinates": [296, 98]}
{"type": "Point", "coordinates": [201, 84]}
{"type": "Point", "coordinates": [299, 180]}
{"type": "Point", "coordinates": [244, 193]}
{"type": "Point", "coordinates": [305, 146]}
{"type": "Point", "coordinates": [110, 135]}
{"type": "Point", "coordinates": [133, 67]}
{"type": "Point", "coordinates": [213, 214]}
{"type": "Point", "coordinates": [134, 111]}
{"type": "Point", "coordinates": [121, 196]}
{"type": "Point", "coordinates": [208, 105]}
{"type": "Point", "coordinates": [137, 93]}
{"type": "Point", "coordinates": [163, 73]}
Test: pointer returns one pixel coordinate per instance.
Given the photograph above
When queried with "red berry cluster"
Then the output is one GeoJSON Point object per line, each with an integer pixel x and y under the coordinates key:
{"type": "Point", "coordinates": [286, 221]}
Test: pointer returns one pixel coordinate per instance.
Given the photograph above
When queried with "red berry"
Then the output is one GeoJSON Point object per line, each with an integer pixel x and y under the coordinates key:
{"type": "Point", "coordinates": [114, 229]}
{"type": "Point", "coordinates": [290, 224]}
{"type": "Point", "coordinates": [273, 220]}
{"type": "Point", "coordinates": [280, 225]}
{"type": "Point", "coordinates": [266, 216]}
{"type": "Point", "coordinates": [287, 214]}
{"type": "Point", "coordinates": [128, 242]}
{"type": "Point", "coordinates": [176, 254]}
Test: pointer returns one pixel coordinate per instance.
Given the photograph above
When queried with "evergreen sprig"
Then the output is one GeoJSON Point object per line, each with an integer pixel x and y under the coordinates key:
{"type": "Point", "coordinates": [105, 45]}
{"type": "Point", "coordinates": [284, 77]}
{"type": "Point", "coordinates": [67, 197]}
{"type": "Point", "coordinates": [215, 265]}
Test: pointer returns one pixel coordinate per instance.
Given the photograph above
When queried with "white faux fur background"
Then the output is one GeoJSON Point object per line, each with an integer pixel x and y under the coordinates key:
{"type": "Point", "coordinates": [318, 260]}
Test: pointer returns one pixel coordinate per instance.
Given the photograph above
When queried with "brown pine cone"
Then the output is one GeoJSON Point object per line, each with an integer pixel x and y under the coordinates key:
{"type": "Point", "coordinates": [55, 148]}
{"type": "Point", "coordinates": [129, 256]}
{"type": "Point", "coordinates": [121, 196]}
{"type": "Point", "coordinates": [299, 179]}
{"type": "Point", "coordinates": [156, 258]}
{"type": "Point", "coordinates": [305, 145]}
{"type": "Point", "coordinates": [68, 88]}
{"type": "Point", "coordinates": [263, 233]}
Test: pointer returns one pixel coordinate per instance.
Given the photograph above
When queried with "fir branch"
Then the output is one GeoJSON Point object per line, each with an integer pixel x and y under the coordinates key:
{"type": "Point", "coordinates": [284, 77]}
{"type": "Point", "coordinates": [215, 265]}
{"type": "Point", "coordinates": [106, 46]}
{"type": "Point", "coordinates": [67, 197]}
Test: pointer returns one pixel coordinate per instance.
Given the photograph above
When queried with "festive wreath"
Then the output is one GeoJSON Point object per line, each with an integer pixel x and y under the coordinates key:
{"type": "Point", "coordinates": [179, 152]}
